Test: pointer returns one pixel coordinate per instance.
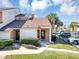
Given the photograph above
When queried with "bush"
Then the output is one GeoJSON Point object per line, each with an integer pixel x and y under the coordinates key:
{"type": "Point", "coordinates": [54, 38]}
{"type": "Point", "coordinates": [4, 43]}
{"type": "Point", "coordinates": [8, 43]}
{"type": "Point", "coordinates": [29, 41]}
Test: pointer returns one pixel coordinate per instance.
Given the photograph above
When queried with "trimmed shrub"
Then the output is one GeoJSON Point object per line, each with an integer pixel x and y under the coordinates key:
{"type": "Point", "coordinates": [4, 43]}
{"type": "Point", "coordinates": [8, 42]}
{"type": "Point", "coordinates": [29, 41]}
{"type": "Point", "coordinates": [54, 38]}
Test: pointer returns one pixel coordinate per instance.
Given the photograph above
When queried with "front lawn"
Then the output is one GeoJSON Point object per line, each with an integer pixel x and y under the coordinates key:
{"type": "Point", "coordinates": [63, 46]}
{"type": "Point", "coordinates": [60, 41]}
{"type": "Point", "coordinates": [45, 55]}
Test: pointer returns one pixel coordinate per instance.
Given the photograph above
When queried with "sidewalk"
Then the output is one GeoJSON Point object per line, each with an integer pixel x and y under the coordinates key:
{"type": "Point", "coordinates": [62, 50]}
{"type": "Point", "coordinates": [32, 51]}
{"type": "Point", "coordinates": [21, 51]}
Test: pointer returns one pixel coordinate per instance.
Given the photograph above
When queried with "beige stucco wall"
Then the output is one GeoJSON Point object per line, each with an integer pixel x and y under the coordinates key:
{"type": "Point", "coordinates": [13, 34]}
{"type": "Point", "coordinates": [47, 35]}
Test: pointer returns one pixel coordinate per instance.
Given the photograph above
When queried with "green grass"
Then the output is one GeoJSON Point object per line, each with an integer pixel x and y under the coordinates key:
{"type": "Point", "coordinates": [63, 46]}
{"type": "Point", "coordinates": [45, 55]}
{"type": "Point", "coordinates": [60, 41]}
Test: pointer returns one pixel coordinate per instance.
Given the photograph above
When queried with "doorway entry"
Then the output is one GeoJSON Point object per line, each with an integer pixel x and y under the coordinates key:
{"type": "Point", "coordinates": [41, 35]}
{"type": "Point", "coordinates": [17, 38]}
{"type": "Point", "coordinates": [15, 35]}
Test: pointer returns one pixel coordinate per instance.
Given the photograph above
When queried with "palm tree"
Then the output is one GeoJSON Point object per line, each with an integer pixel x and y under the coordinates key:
{"type": "Point", "coordinates": [73, 25]}
{"type": "Point", "coordinates": [52, 17]}
{"type": "Point", "coordinates": [58, 22]}
{"type": "Point", "coordinates": [54, 20]}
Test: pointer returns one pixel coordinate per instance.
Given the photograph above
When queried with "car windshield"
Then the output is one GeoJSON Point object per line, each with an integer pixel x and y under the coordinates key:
{"type": "Point", "coordinates": [65, 33]}
{"type": "Point", "coordinates": [77, 37]}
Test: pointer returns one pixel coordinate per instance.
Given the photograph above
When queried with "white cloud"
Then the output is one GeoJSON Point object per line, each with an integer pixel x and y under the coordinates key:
{"type": "Point", "coordinates": [40, 5]}
{"type": "Point", "coordinates": [57, 2]}
{"type": "Point", "coordinates": [67, 9]}
{"type": "Point", "coordinates": [67, 1]}
{"type": "Point", "coordinates": [5, 3]}
{"type": "Point", "coordinates": [24, 3]}
{"type": "Point", "coordinates": [36, 16]}
{"type": "Point", "coordinates": [77, 10]}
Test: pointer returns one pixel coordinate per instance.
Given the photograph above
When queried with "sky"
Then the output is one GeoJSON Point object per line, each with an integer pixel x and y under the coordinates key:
{"type": "Point", "coordinates": [66, 10]}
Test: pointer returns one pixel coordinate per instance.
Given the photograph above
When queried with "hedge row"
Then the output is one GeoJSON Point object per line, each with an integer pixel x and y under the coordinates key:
{"type": "Point", "coordinates": [5, 43]}
{"type": "Point", "coordinates": [29, 41]}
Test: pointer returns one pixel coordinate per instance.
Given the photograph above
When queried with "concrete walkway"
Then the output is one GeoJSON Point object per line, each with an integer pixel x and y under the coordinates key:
{"type": "Point", "coordinates": [62, 50]}
{"type": "Point", "coordinates": [23, 50]}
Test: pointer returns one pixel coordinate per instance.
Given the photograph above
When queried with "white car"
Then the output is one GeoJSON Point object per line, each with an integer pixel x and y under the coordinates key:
{"type": "Point", "coordinates": [74, 39]}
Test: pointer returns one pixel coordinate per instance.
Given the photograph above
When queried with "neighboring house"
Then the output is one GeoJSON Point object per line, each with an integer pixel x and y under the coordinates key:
{"type": "Point", "coordinates": [76, 28]}
{"type": "Point", "coordinates": [25, 26]}
{"type": "Point", "coordinates": [7, 15]}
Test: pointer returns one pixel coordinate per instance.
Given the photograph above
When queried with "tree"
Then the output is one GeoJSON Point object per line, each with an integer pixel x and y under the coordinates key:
{"type": "Point", "coordinates": [73, 25]}
{"type": "Point", "coordinates": [54, 20]}
{"type": "Point", "coordinates": [58, 23]}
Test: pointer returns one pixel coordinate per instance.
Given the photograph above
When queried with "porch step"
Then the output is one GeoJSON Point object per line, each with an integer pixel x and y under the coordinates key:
{"type": "Point", "coordinates": [16, 45]}
{"type": "Point", "coordinates": [44, 43]}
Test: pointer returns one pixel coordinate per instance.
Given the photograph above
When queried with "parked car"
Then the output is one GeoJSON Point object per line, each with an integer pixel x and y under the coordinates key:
{"type": "Point", "coordinates": [65, 34]}
{"type": "Point", "coordinates": [74, 40]}
{"type": "Point", "coordinates": [56, 33]}
{"type": "Point", "coordinates": [76, 33]}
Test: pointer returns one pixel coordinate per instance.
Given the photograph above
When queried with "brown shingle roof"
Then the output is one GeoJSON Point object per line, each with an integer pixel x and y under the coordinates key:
{"type": "Point", "coordinates": [37, 22]}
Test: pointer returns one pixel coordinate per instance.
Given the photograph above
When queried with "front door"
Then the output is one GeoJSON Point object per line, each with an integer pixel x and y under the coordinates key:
{"type": "Point", "coordinates": [42, 35]}
{"type": "Point", "coordinates": [17, 38]}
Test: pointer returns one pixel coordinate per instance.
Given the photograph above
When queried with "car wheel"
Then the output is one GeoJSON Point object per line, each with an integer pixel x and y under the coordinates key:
{"type": "Point", "coordinates": [75, 42]}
